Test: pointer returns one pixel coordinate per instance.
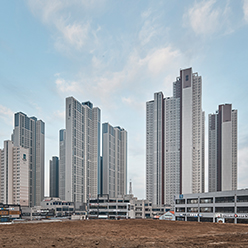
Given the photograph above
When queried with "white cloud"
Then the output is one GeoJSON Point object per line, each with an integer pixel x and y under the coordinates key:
{"type": "Point", "coordinates": [74, 34]}
{"type": "Point", "coordinates": [245, 9]}
{"type": "Point", "coordinates": [160, 59]}
{"type": "Point", "coordinates": [147, 32]}
{"type": "Point", "coordinates": [56, 15]}
{"type": "Point", "coordinates": [6, 114]}
{"type": "Point", "coordinates": [68, 86]}
{"type": "Point", "coordinates": [206, 19]}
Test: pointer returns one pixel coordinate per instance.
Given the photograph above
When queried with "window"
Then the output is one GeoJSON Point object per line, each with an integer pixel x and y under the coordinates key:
{"type": "Point", "coordinates": [224, 209]}
{"type": "Point", "coordinates": [206, 200]}
{"type": "Point", "coordinates": [206, 210]}
{"type": "Point", "coordinates": [224, 199]}
{"type": "Point", "coordinates": [187, 77]}
{"type": "Point", "coordinates": [192, 201]}
{"type": "Point", "coordinates": [180, 201]}
{"type": "Point", "coordinates": [192, 210]}
{"type": "Point", "coordinates": [180, 210]}
{"type": "Point", "coordinates": [243, 198]}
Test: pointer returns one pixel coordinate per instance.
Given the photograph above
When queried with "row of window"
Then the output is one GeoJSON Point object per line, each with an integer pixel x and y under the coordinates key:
{"type": "Point", "coordinates": [210, 210]}
{"type": "Point", "coordinates": [227, 199]}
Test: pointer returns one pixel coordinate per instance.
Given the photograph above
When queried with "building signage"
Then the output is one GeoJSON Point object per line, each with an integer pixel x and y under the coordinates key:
{"type": "Point", "coordinates": [231, 215]}
{"type": "Point", "coordinates": [242, 215]}
{"type": "Point", "coordinates": [194, 215]}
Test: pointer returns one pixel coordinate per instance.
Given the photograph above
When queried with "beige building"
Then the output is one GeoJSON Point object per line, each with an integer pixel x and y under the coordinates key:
{"type": "Point", "coordinates": [14, 174]}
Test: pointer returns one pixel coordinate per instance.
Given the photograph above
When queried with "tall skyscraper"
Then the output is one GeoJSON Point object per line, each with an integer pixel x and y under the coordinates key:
{"type": "Point", "coordinates": [82, 150]}
{"type": "Point", "coordinates": [14, 174]}
{"type": "Point", "coordinates": [62, 136]}
{"type": "Point", "coordinates": [54, 177]}
{"type": "Point", "coordinates": [175, 141]}
{"type": "Point", "coordinates": [222, 154]}
{"type": "Point", "coordinates": [114, 160]}
{"type": "Point", "coordinates": [30, 133]}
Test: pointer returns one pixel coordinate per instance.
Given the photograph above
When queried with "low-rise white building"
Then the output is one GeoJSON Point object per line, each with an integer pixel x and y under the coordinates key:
{"type": "Point", "coordinates": [143, 209]}
{"type": "Point", "coordinates": [232, 206]}
{"type": "Point", "coordinates": [104, 207]}
{"type": "Point", "coordinates": [61, 208]}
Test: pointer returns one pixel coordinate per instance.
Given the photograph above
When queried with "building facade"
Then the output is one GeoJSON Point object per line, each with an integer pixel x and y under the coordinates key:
{"type": "Point", "coordinates": [9, 212]}
{"type": "Point", "coordinates": [223, 149]}
{"type": "Point", "coordinates": [105, 207]}
{"type": "Point", "coordinates": [175, 141]}
{"type": "Point", "coordinates": [14, 174]}
{"type": "Point", "coordinates": [30, 133]}
{"type": "Point", "coordinates": [143, 209]}
{"type": "Point", "coordinates": [230, 206]}
{"type": "Point", "coordinates": [114, 160]}
{"type": "Point", "coordinates": [82, 150]}
{"type": "Point", "coordinates": [54, 177]}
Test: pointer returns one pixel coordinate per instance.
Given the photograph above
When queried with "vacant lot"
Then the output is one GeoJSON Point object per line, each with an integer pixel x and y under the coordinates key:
{"type": "Point", "coordinates": [123, 233]}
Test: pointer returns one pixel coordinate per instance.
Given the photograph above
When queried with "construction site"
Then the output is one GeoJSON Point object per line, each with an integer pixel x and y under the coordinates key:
{"type": "Point", "coordinates": [123, 233]}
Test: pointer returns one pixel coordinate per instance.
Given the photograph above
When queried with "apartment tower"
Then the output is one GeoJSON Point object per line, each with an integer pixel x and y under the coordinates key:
{"type": "Point", "coordinates": [30, 133]}
{"type": "Point", "coordinates": [62, 136]}
{"type": "Point", "coordinates": [54, 177]}
{"type": "Point", "coordinates": [82, 150]}
{"type": "Point", "coordinates": [175, 141]}
{"type": "Point", "coordinates": [114, 161]}
{"type": "Point", "coordinates": [14, 174]}
{"type": "Point", "coordinates": [222, 155]}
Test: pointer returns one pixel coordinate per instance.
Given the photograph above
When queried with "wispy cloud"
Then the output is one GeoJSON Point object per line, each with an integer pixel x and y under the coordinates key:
{"type": "Point", "coordinates": [205, 18]}
{"type": "Point", "coordinates": [68, 87]}
{"type": "Point", "coordinates": [245, 9]}
{"type": "Point", "coordinates": [6, 114]}
{"type": "Point", "coordinates": [69, 32]}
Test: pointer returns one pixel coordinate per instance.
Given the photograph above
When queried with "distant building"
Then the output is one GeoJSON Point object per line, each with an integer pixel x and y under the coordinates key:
{"type": "Point", "coordinates": [54, 177]}
{"type": "Point", "coordinates": [114, 160]}
{"type": "Point", "coordinates": [222, 149]}
{"type": "Point", "coordinates": [62, 143]}
{"type": "Point", "coordinates": [144, 209]}
{"type": "Point", "coordinates": [62, 208]}
{"type": "Point", "coordinates": [37, 213]}
{"type": "Point", "coordinates": [30, 133]}
{"type": "Point", "coordinates": [170, 215]}
{"type": "Point", "coordinates": [175, 141]}
{"type": "Point", "coordinates": [82, 151]}
{"type": "Point", "coordinates": [9, 212]}
{"type": "Point", "coordinates": [14, 174]}
{"type": "Point", "coordinates": [104, 207]}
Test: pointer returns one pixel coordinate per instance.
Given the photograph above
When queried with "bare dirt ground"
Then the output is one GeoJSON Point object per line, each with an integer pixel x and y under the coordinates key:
{"type": "Point", "coordinates": [124, 233]}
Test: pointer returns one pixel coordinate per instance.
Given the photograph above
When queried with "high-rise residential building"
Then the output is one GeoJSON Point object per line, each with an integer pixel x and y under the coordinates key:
{"type": "Point", "coordinates": [30, 133]}
{"type": "Point", "coordinates": [14, 174]}
{"type": "Point", "coordinates": [54, 177]}
{"type": "Point", "coordinates": [82, 150]}
{"type": "Point", "coordinates": [175, 141]}
{"type": "Point", "coordinates": [222, 155]}
{"type": "Point", "coordinates": [114, 160]}
{"type": "Point", "coordinates": [62, 142]}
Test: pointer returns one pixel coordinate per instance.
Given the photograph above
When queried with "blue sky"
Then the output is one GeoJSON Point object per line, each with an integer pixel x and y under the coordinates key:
{"type": "Point", "coordinates": [117, 54]}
